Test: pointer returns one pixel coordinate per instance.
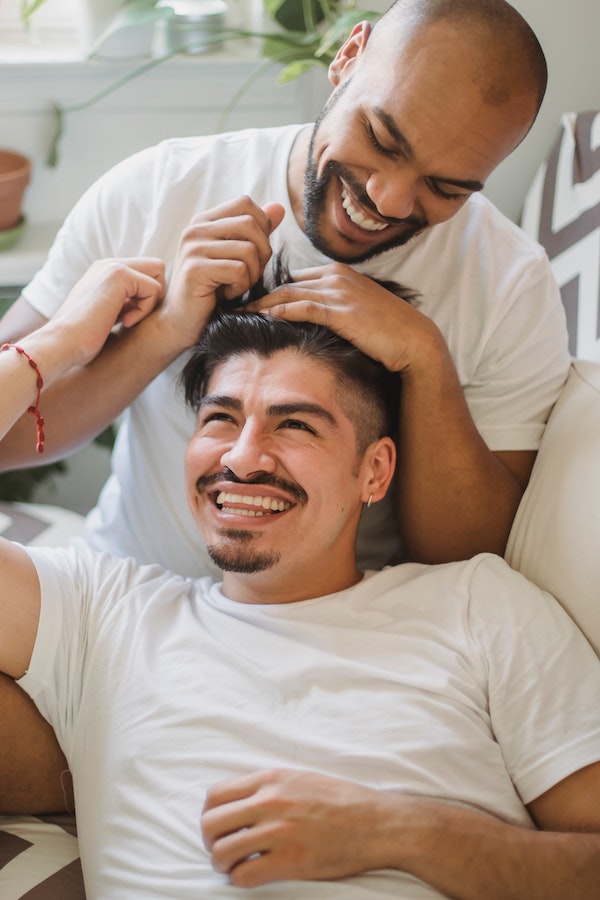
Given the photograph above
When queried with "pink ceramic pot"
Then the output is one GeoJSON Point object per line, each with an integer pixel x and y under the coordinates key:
{"type": "Point", "coordinates": [14, 178]}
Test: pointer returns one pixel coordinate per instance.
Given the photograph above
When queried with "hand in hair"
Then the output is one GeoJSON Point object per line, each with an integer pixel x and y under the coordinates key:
{"type": "Point", "coordinates": [221, 254]}
{"type": "Point", "coordinates": [385, 325]}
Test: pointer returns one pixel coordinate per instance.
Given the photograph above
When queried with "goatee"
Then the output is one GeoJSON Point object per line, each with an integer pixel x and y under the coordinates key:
{"type": "Point", "coordinates": [235, 555]}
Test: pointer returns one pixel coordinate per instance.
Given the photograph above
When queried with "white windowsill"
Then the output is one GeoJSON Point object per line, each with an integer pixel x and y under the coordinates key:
{"type": "Point", "coordinates": [19, 264]}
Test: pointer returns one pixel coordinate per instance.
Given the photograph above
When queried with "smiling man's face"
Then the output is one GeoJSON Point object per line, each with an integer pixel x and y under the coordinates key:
{"type": "Point", "coordinates": [274, 478]}
{"type": "Point", "coordinates": [411, 130]}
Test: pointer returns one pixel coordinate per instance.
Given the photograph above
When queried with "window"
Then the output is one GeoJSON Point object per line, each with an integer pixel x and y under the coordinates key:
{"type": "Point", "coordinates": [52, 32]}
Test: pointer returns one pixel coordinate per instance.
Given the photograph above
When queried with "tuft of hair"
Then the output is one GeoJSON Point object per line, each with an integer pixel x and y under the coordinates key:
{"type": "Point", "coordinates": [368, 392]}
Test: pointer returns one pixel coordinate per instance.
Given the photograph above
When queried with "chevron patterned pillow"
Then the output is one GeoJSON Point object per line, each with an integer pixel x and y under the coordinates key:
{"type": "Point", "coordinates": [562, 212]}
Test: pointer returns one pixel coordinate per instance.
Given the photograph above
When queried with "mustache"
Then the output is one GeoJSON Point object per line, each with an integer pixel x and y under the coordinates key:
{"type": "Point", "coordinates": [339, 171]}
{"type": "Point", "coordinates": [290, 487]}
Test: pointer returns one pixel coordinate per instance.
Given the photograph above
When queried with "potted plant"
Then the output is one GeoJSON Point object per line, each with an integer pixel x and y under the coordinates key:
{"type": "Point", "coordinates": [14, 177]}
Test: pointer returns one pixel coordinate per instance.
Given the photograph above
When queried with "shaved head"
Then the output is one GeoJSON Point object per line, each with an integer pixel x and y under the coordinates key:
{"type": "Point", "coordinates": [504, 55]}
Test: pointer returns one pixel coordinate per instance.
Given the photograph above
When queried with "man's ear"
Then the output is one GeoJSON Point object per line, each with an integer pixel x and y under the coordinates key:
{"type": "Point", "coordinates": [349, 52]}
{"type": "Point", "coordinates": [378, 466]}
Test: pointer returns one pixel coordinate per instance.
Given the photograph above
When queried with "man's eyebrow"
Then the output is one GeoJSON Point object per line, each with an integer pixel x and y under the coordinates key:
{"type": "Point", "coordinates": [220, 400]}
{"type": "Point", "coordinates": [290, 409]}
{"type": "Point", "coordinates": [276, 409]}
{"type": "Point", "coordinates": [407, 151]}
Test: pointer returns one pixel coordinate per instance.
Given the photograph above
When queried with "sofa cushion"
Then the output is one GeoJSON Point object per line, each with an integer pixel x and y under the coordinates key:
{"type": "Point", "coordinates": [555, 538]}
{"type": "Point", "coordinates": [39, 858]}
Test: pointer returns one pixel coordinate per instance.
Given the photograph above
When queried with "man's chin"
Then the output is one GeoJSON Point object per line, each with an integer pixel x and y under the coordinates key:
{"type": "Point", "coordinates": [351, 252]}
{"type": "Point", "coordinates": [242, 559]}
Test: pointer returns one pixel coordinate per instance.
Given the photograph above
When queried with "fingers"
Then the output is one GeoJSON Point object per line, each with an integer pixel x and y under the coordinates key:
{"type": "Point", "coordinates": [275, 213]}
{"type": "Point", "coordinates": [219, 262]}
{"type": "Point", "coordinates": [241, 219]}
{"type": "Point", "coordinates": [226, 248]}
{"type": "Point", "coordinates": [237, 804]}
{"type": "Point", "coordinates": [134, 285]}
{"type": "Point", "coordinates": [232, 789]}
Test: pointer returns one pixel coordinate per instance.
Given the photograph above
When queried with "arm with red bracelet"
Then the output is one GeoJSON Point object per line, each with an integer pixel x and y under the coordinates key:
{"type": "Point", "coordinates": [111, 292]}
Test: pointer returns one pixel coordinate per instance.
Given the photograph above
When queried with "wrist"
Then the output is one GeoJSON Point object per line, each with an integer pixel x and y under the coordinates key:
{"type": "Point", "coordinates": [175, 336]}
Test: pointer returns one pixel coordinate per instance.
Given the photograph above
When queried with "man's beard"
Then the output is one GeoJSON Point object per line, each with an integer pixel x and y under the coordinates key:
{"type": "Point", "coordinates": [315, 194]}
{"type": "Point", "coordinates": [235, 554]}
{"type": "Point", "coordinates": [239, 556]}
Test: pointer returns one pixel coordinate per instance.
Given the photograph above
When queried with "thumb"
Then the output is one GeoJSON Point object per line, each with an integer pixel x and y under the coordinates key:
{"type": "Point", "coordinates": [275, 212]}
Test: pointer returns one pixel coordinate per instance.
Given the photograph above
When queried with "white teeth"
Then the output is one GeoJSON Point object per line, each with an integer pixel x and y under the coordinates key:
{"type": "Point", "coordinates": [227, 502]}
{"type": "Point", "coordinates": [358, 218]}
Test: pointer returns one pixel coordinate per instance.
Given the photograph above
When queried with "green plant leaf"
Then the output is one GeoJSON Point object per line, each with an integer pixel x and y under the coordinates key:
{"type": "Point", "coordinates": [107, 437]}
{"type": "Point", "coordinates": [57, 132]}
{"type": "Point", "coordinates": [19, 485]}
{"type": "Point", "coordinates": [298, 15]}
{"type": "Point", "coordinates": [272, 7]}
{"type": "Point", "coordinates": [28, 7]}
{"type": "Point", "coordinates": [295, 69]}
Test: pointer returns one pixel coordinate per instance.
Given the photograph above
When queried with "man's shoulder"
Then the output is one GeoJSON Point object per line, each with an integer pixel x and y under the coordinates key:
{"type": "Point", "coordinates": [478, 244]}
{"type": "Point", "coordinates": [483, 223]}
{"type": "Point", "coordinates": [473, 580]}
{"type": "Point", "coordinates": [196, 147]}
{"type": "Point", "coordinates": [105, 575]}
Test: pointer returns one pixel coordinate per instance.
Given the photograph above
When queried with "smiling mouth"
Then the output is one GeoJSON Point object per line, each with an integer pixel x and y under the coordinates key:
{"type": "Point", "coordinates": [358, 218]}
{"type": "Point", "coordinates": [247, 505]}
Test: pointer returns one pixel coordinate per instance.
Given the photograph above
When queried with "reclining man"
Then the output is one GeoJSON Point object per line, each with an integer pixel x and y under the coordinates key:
{"type": "Point", "coordinates": [423, 731]}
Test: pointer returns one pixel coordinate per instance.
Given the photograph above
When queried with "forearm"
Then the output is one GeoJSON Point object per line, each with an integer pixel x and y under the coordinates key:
{"type": "Point", "coordinates": [81, 403]}
{"type": "Point", "coordinates": [469, 855]}
{"type": "Point", "coordinates": [455, 498]}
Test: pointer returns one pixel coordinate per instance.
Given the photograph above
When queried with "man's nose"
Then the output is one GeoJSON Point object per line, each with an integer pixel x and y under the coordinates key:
{"type": "Point", "coordinates": [393, 192]}
{"type": "Point", "coordinates": [250, 453]}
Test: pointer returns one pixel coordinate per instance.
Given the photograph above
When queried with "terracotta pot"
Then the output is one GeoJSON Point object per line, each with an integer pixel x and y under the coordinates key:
{"type": "Point", "coordinates": [14, 178]}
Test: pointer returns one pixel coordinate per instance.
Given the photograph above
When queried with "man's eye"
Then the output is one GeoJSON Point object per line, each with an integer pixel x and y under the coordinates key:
{"type": "Point", "coordinates": [445, 195]}
{"type": "Point", "coordinates": [376, 143]}
{"type": "Point", "coordinates": [217, 417]}
{"type": "Point", "coordinates": [297, 424]}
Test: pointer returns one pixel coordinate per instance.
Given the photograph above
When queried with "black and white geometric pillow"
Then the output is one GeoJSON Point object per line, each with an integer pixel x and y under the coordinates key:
{"type": "Point", "coordinates": [562, 212]}
{"type": "Point", "coordinates": [39, 858]}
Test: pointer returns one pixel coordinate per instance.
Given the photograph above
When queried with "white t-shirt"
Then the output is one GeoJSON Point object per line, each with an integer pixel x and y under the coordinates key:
{"type": "Point", "coordinates": [462, 682]}
{"type": "Point", "coordinates": [488, 287]}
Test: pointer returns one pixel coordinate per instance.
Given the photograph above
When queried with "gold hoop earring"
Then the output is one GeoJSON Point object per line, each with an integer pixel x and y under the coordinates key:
{"type": "Point", "coordinates": [369, 501]}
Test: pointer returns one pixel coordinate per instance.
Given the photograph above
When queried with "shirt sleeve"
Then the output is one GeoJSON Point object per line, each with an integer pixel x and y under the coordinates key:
{"type": "Point", "coordinates": [523, 364]}
{"type": "Point", "coordinates": [543, 676]}
{"type": "Point", "coordinates": [107, 221]}
{"type": "Point", "coordinates": [53, 679]}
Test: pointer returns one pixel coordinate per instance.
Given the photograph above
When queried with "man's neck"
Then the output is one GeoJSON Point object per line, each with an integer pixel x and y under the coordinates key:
{"type": "Point", "coordinates": [265, 588]}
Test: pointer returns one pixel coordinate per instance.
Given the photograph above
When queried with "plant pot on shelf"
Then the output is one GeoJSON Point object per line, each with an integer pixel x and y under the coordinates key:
{"type": "Point", "coordinates": [15, 171]}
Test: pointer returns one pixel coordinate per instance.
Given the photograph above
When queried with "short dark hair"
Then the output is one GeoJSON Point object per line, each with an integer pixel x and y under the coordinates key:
{"type": "Point", "coordinates": [368, 392]}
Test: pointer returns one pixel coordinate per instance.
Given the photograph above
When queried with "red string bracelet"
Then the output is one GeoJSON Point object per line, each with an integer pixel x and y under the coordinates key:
{"type": "Point", "coordinates": [34, 408]}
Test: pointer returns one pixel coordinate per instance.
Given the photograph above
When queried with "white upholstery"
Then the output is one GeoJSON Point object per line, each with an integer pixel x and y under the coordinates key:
{"type": "Point", "coordinates": [555, 538]}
